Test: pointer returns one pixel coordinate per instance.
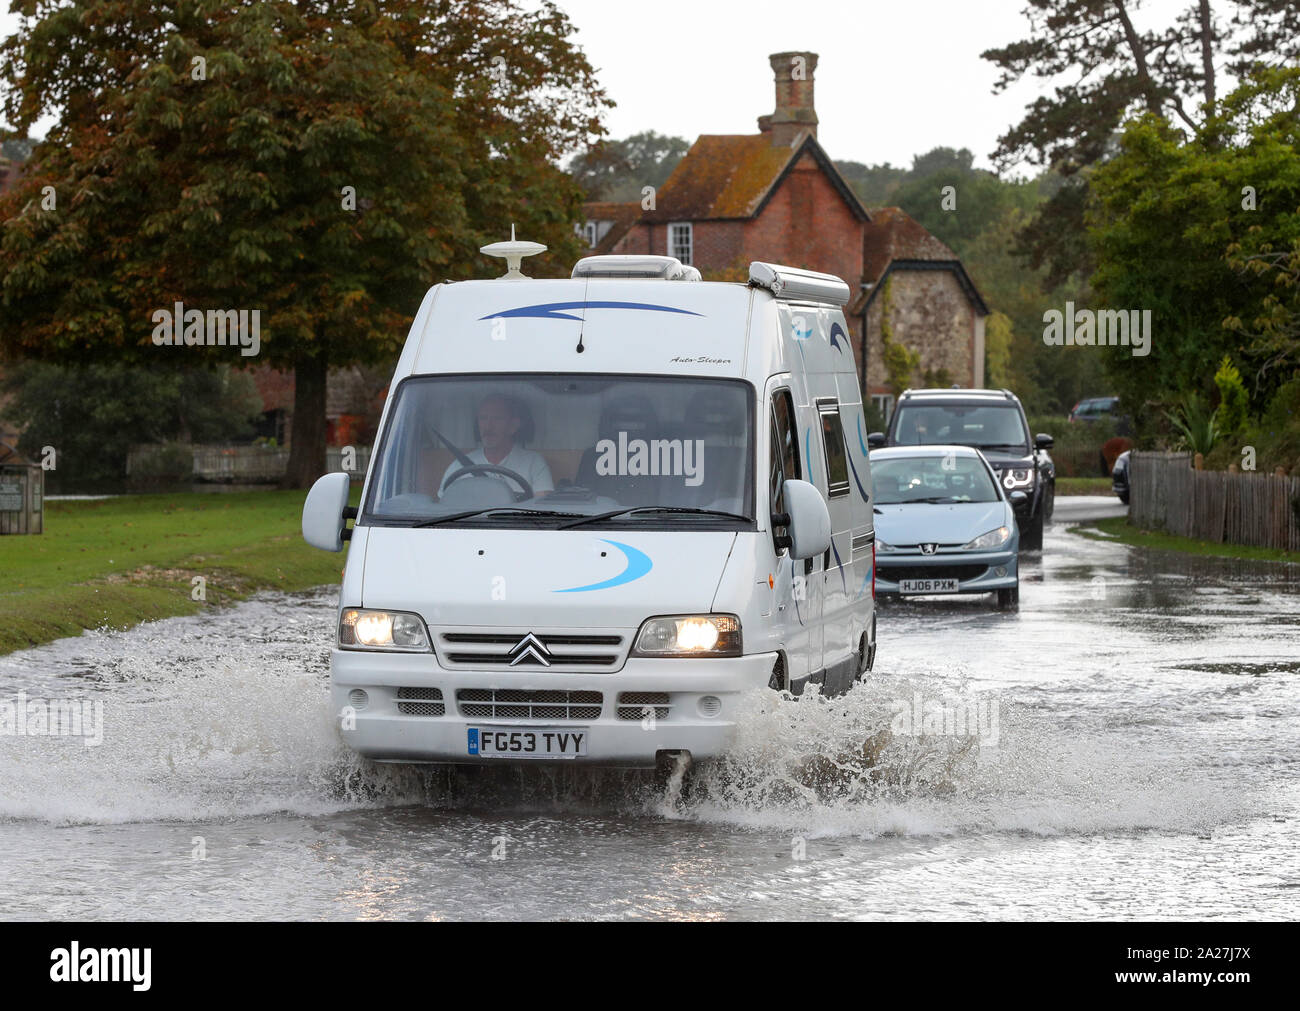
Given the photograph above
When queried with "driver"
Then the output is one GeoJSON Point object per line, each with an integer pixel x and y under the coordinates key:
{"type": "Point", "coordinates": [499, 421]}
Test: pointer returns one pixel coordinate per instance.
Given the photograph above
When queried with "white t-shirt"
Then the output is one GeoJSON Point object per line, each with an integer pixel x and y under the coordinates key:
{"type": "Point", "coordinates": [529, 465]}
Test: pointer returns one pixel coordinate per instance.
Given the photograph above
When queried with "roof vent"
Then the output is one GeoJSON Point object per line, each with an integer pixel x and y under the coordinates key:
{"type": "Point", "coordinates": [792, 284]}
{"type": "Point", "coordinates": [513, 253]}
{"type": "Point", "coordinates": [624, 265]}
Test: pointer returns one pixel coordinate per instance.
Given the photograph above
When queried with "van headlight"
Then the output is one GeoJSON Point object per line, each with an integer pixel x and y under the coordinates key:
{"type": "Point", "coordinates": [1017, 478]}
{"type": "Point", "coordinates": [394, 630]}
{"type": "Point", "coordinates": [992, 539]}
{"type": "Point", "coordinates": [689, 635]}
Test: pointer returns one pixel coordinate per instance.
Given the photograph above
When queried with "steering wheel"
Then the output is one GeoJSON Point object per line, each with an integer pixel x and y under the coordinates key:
{"type": "Point", "coordinates": [488, 468]}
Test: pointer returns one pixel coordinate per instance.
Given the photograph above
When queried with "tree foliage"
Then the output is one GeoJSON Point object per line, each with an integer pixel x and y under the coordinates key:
{"type": "Point", "coordinates": [93, 414]}
{"type": "Point", "coordinates": [323, 161]}
{"type": "Point", "coordinates": [1169, 218]}
{"type": "Point", "coordinates": [618, 170]}
{"type": "Point", "coordinates": [1105, 69]}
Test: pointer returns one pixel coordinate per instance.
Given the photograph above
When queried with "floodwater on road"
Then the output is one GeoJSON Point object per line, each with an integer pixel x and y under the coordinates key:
{"type": "Point", "coordinates": [1134, 756]}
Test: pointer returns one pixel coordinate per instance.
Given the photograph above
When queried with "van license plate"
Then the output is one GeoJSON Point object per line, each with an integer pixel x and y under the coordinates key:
{"type": "Point", "coordinates": [535, 742]}
{"type": "Point", "coordinates": [927, 586]}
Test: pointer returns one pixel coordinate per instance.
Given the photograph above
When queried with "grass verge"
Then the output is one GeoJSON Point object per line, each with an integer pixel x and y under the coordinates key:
{"type": "Point", "coordinates": [116, 562]}
{"type": "Point", "coordinates": [1083, 486]}
{"type": "Point", "coordinates": [1119, 530]}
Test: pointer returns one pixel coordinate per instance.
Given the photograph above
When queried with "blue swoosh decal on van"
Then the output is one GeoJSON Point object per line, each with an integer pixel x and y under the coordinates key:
{"type": "Point", "coordinates": [861, 491]}
{"type": "Point", "coordinates": [836, 328]}
{"type": "Point", "coordinates": [558, 310]}
{"type": "Point", "coordinates": [863, 588]}
{"type": "Point", "coordinates": [861, 441]}
{"type": "Point", "coordinates": [638, 564]}
{"type": "Point", "coordinates": [840, 565]}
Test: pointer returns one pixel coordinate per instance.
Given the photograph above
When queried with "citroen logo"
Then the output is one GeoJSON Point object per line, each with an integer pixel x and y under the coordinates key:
{"type": "Point", "coordinates": [530, 649]}
{"type": "Point", "coordinates": [926, 549]}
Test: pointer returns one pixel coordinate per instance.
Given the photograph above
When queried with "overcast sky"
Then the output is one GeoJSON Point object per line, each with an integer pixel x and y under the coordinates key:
{"type": "Point", "coordinates": [895, 77]}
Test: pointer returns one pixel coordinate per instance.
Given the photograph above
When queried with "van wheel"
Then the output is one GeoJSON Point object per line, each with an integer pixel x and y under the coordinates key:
{"type": "Point", "coordinates": [1009, 600]}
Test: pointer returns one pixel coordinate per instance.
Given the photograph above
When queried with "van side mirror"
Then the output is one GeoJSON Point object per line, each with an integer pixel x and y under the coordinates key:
{"type": "Point", "coordinates": [810, 520]}
{"type": "Point", "coordinates": [325, 512]}
{"type": "Point", "coordinates": [875, 440]}
{"type": "Point", "coordinates": [1043, 441]}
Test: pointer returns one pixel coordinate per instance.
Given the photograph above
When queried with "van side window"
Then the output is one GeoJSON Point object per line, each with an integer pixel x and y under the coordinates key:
{"type": "Point", "coordinates": [776, 478]}
{"type": "Point", "coordinates": [788, 433]}
{"type": "Point", "coordinates": [837, 463]}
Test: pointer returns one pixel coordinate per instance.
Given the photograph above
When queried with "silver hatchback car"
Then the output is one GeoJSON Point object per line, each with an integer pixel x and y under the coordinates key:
{"type": "Point", "coordinates": [944, 524]}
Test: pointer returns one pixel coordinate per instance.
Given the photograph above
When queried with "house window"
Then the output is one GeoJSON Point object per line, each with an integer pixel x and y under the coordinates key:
{"type": "Point", "coordinates": [590, 231]}
{"type": "Point", "coordinates": [884, 403]}
{"type": "Point", "coordinates": [681, 242]}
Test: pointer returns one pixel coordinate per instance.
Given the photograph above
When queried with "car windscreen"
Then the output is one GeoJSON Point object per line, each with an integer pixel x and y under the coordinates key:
{"type": "Point", "coordinates": [526, 450]}
{"type": "Point", "coordinates": [902, 479]}
{"type": "Point", "coordinates": [982, 426]}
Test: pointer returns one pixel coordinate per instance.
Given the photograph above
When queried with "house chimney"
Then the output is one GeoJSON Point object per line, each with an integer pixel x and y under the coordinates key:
{"type": "Point", "coordinates": [794, 98]}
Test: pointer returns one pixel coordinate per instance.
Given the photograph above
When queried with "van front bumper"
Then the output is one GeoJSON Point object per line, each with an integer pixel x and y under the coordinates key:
{"type": "Point", "coordinates": [429, 729]}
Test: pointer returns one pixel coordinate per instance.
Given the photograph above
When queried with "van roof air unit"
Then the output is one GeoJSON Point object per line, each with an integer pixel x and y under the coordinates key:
{"type": "Point", "coordinates": [623, 265]}
{"type": "Point", "coordinates": [794, 285]}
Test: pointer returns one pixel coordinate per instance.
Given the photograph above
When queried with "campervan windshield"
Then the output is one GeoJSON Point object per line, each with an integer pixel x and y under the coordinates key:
{"type": "Point", "coordinates": [527, 450]}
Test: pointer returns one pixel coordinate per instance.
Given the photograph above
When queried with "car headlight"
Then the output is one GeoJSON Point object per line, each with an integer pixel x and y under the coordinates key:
{"type": "Point", "coordinates": [689, 635]}
{"type": "Point", "coordinates": [882, 547]}
{"type": "Point", "coordinates": [1017, 478]}
{"type": "Point", "coordinates": [992, 539]}
{"type": "Point", "coordinates": [393, 630]}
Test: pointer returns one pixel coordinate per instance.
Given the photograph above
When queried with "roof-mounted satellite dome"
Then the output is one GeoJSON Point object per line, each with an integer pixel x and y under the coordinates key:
{"type": "Point", "coordinates": [513, 252]}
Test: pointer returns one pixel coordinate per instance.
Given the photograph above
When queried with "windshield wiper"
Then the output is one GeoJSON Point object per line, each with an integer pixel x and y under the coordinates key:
{"type": "Point", "coordinates": [437, 520]}
{"type": "Point", "coordinates": [932, 499]}
{"type": "Point", "coordinates": [653, 509]}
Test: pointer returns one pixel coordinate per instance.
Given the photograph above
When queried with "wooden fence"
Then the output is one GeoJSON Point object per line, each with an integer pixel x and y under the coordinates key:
{"type": "Point", "coordinates": [1212, 505]}
{"type": "Point", "coordinates": [243, 464]}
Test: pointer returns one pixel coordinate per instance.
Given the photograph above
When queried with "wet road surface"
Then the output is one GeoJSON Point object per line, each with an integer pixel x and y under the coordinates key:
{"type": "Point", "coordinates": [1134, 756]}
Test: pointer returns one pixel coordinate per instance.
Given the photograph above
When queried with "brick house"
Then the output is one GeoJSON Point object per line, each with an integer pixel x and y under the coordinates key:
{"type": "Point", "coordinates": [777, 196]}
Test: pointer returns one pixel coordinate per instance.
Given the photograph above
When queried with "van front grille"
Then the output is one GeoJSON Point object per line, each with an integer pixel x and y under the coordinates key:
{"type": "Point", "coordinates": [894, 573]}
{"type": "Point", "coordinates": [639, 705]}
{"type": "Point", "coordinates": [529, 650]}
{"type": "Point", "coordinates": [421, 702]}
{"type": "Point", "coordinates": [527, 704]}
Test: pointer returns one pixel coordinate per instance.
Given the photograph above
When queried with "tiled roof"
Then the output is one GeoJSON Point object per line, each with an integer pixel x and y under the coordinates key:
{"type": "Point", "coordinates": [893, 234]}
{"type": "Point", "coordinates": [722, 176]}
{"type": "Point", "coordinates": [624, 217]}
{"type": "Point", "coordinates": [893, 237]}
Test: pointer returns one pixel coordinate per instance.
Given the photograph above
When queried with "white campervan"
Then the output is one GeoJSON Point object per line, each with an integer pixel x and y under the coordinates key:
{"type": "Point", "coordinates": [600, 509]}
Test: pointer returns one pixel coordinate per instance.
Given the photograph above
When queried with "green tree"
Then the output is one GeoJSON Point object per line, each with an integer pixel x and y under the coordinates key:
{"type": "Point", "coordinates": [93, 414]}
{"type": "Point", "coordinates": [1168, 214]}
{"type": "Point", "coordinates": [323, 161]}
{"type": "Point", "coordinates": [1114, 71]}
{"type": "Point", "coordinates": [619, 169]}
{"type": "Point", "coordinates": [1234, 402]}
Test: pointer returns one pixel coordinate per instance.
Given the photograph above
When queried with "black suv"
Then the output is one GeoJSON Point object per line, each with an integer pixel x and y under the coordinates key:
{"type": "Point", "coordinates": [993, 422]}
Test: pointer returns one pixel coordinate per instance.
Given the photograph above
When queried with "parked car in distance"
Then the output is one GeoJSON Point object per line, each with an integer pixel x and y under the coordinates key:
{"type": "Point", "coordinates": [1119, 477]}
{"type": "Point", "coordinates": [944, 524]}
{"type": "Point", "coordinates": [993, 422]}
{"type": "Point", "coordinates": [1095, 408]}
